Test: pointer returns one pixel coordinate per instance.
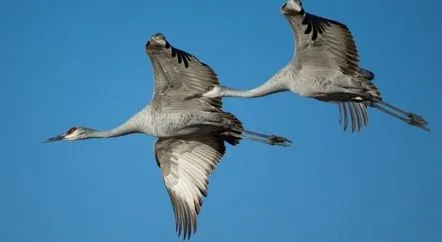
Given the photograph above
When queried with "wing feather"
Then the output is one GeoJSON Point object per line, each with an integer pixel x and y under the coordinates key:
{"type": "Point", "coordinates": [179, 74]}
{"type": "Point", "coordinates": [186, 164]}
{"type": "Point", "coordinates": [324, 43]}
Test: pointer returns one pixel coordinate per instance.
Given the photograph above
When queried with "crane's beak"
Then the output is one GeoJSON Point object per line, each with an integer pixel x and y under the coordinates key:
{"type": "Point", "coordinates": [56, 138]}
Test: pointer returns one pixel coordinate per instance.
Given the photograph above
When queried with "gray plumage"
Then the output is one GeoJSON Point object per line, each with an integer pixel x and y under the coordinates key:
{"type": "Point", "coordinates": [326, 67]}
{"type": "Point", "coordinates": [190, 134]}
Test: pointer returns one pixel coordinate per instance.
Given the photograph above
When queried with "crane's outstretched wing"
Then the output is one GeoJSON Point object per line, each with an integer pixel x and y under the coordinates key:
{"type": "Point", "coordinates": [324, 45]}
{"type": "Point", "coordinates": [178, 75]}
{"type": "Point", "coordinates": [186, 164]}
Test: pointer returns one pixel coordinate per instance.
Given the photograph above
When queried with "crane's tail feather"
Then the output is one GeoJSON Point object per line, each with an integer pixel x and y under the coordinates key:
{"type": "Point", "coordinates": [356, 112]}
{"type": "Point", "coordinates": [267, 139]}
{"type": "Point", "coordinates": [410, 118]}
{"type": "Point", "coordinates": [236, 128]}
{"type": "Point", "coordinates": [235, 132]}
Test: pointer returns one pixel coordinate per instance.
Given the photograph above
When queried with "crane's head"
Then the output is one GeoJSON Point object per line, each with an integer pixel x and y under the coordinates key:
{"type": "Point", "coordinates": [292, 8]}
{"type": "Point", "coordinates": [157, 40]}
{"type": "Point", "coordinates": [74, 133]}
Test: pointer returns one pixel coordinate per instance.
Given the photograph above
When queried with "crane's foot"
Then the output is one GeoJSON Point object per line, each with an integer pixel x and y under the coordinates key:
{"type": "Point", "coordinates": [418, 121]}
{"type": "Point", "coordinates": [278, 140]}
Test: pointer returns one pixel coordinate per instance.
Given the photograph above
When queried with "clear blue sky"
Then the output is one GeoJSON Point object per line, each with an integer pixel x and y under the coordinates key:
{"type": "Point", "coordinates": [66, 63]}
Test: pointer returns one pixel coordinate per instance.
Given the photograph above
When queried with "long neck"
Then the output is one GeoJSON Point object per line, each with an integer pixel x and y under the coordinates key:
{"type": "Point", "coordinates": [277, 83]}
{"type": "Point", "coordinates": [139, 123]}
{"type": "Point", "coordinates": [121, 130]}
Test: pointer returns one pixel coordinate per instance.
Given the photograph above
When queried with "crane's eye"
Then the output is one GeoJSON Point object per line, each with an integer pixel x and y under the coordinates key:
{"type": "Point", "coordinates": [71, 130]}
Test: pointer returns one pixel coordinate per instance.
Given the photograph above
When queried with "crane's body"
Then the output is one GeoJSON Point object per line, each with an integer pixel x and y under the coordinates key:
{"type": "Point", "coordinates": [163, 124]}
{"type": "Point", "coordinates": [190, 134]}
{"type": "Point", "coordinates": [302, 83]}
{"type": "Point", "coordinates": [325, 66]}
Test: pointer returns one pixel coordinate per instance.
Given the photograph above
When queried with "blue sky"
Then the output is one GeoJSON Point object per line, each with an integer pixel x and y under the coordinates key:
{"type": "Point", "coordinates": [67, 63]}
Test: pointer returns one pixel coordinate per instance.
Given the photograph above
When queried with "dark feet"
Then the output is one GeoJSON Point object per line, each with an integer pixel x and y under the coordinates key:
{"type": "Point", "coordinates": [277, 140]}
{"type": "Point", "coordinates": [418, 121]}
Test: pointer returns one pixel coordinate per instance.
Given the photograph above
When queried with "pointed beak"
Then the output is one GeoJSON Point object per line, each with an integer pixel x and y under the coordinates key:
{"type": "Point", "coordinates": [56, 138]}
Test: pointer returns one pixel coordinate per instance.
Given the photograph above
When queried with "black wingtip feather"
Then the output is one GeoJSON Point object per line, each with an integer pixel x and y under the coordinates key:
{"type": "Point", "coordinates": [182, 56]}
{"type": "Point", "coordinates": [316, 24]}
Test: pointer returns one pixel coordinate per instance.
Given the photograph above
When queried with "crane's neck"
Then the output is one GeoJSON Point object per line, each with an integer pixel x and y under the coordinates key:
{"type": "Point", "coordinates": [138, 123]}
{"type": "Point", "coordinates": [277, 83]}
{"type": "Point", "coordinates": [115, 132]}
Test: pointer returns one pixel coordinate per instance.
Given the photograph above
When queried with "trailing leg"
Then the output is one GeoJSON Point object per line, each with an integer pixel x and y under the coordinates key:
{"type": "Point", "coordinates": [267, 139]}
{"type": "Point", "coordinates": [410, 118]}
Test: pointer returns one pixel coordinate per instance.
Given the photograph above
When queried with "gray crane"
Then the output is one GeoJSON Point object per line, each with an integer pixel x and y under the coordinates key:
{"type": "Point", "coordinates": [325, 67]}
{"type": "Point", "coordinates": [190, 134]}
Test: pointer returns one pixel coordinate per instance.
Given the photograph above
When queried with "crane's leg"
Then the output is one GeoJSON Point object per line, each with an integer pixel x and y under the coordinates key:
{"type": "Point", "coordinates": [274, 139]}
{"type": "Point", "coordinates": [410, 118]}
{"type": "Point", "coordinates": [267, 139]}
{"type": "Point", "coordinates": [244, 134]}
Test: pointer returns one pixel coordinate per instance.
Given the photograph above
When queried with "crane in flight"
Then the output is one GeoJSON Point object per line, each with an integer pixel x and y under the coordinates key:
{"type": "Point", "coordinates": [190, 135]}
{"type": "Point", "coordinates": [325, 66]}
